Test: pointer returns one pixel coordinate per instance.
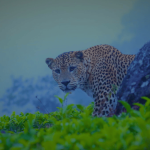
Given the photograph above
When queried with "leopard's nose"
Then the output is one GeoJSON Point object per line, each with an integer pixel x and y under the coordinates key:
{"type": "Point", "coordinates": [65, 83]}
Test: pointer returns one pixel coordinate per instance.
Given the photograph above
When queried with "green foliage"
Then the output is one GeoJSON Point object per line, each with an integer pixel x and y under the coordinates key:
{"type": "Point", "coordinates": [62, 100]}
{"type": "Point", "coordinates": [73, 128]}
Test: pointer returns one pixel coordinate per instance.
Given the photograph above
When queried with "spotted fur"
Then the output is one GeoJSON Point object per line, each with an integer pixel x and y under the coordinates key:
{"type": "Point", "coordinates": [96, 71]}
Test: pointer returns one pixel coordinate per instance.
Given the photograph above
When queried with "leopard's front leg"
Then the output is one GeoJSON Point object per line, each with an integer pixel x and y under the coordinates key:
{"type": "Point", "coordinates": [104, 87]}
{"type": "Point", "coordinates": [104, 103]}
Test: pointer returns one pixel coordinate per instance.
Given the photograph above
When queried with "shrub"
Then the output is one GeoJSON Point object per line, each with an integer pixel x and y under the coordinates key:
{"type": "Point", "coordinates": [72, 127]}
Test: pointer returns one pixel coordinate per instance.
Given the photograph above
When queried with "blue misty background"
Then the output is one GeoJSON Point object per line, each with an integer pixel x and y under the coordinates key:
{"type": "Point", "coordinates": [31, 31]}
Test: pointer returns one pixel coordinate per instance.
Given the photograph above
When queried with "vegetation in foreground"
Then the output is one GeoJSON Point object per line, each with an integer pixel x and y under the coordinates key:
{"type": "Point", "coordinates": [73, 128]}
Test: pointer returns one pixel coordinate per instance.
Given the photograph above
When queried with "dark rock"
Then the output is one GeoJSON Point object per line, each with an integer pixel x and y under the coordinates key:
{"type": "Point", "coordinates": [137, 81]}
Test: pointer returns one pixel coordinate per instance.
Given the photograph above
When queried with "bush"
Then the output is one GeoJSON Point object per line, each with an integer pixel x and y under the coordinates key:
{"type": "Point", "coordinates": [73, 128]}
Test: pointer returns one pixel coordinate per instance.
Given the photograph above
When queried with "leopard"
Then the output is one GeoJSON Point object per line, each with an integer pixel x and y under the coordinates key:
{"type": "Point", "coordinates": [96, 71]}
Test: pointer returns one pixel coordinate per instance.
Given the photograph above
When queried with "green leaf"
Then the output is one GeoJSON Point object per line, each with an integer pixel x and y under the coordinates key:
{"type": "Point", "coordinates": [126, 105]}
{"type": "Point", "coordinates": [13, 114]}
{"type": "Point", "coordinates": [60, 99]}
{"type": "Point", "coordinates": [142, 108]}
{"type": "Point", "coordinates": [80, 107]}
{"type": "Point", "coordinates": [21, 114]}
{"type": "Point", "coordinates": [45, 122]}
{"type": "Point", "coordinates": [66, 96]}
{"type": "Point", "coordinates": [11, 132]}
{"type": "Point", "coordinates": [147, 99]}
{"type": "Point", "coordinates": [31, 119]}
{"type": "Point", "coordinates": [70, 106]}
{"type": "Point", "coordinates": [49, 145]}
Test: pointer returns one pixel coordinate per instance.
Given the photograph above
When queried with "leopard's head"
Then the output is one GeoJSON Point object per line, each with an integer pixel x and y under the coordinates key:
{"type": "Point", "coordinates": [68, 70]}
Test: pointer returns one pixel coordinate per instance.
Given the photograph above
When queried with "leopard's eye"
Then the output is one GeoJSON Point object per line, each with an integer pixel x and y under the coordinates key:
{"type": "Point", "coordinates": [57, 71]}
{"type": "Point", "coordinates": [71, 69]}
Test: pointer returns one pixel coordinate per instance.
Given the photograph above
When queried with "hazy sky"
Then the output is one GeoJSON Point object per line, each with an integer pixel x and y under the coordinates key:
{"type": "Point", "coordinates": [31, 31]}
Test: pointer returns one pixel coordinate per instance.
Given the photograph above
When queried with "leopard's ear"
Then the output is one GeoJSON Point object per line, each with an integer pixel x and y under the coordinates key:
{"type": "Point", "coordinates": [79, 55]}
{"type": "Point", "coordinates": [49, 62]}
